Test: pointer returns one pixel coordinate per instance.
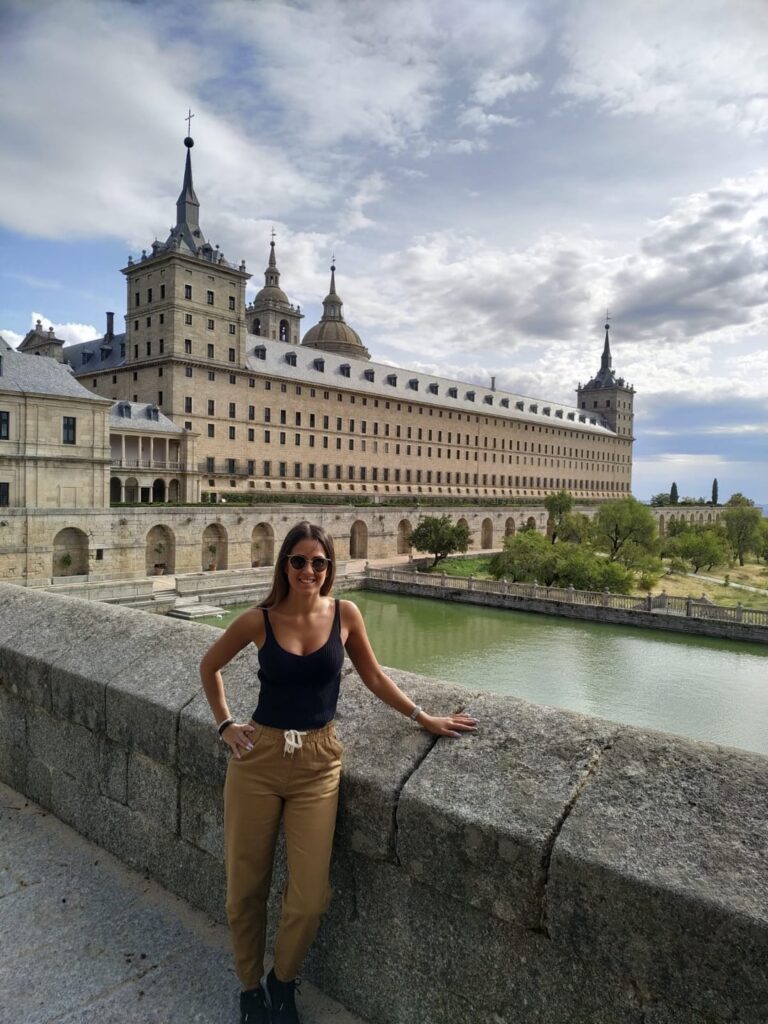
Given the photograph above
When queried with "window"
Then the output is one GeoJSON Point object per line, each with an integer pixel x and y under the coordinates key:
{"type": "Point", "coordinates": [231, 301]}
{"type": "Point", "coordinates": [345, 369]}
{"type": "Point", "coordinates": [251, 412]}
{"type": "Point", "coordinates": [5, 425]}
{"type": "Point", "coordinates": [267, 467]}
{"type": "Point", "coordinates": [187, 291]}
{"type": "Point", "coordinates": [232, 410]}
{"type": "Point", "coordinates": [210, 351]}
{"type": "Point", "coordinates": [251, 434]}
{"type": "Point", "coordinates": [136, 327]}
{"type": "Point", "coordinates": [209, 298]}
{"type": "Point", "coordinates": [232, 378]}
{"type": "Point", "coordinates": [162, 291]}
{"type": "Point", "coordinates": [232, 355]}
{"type": "Point", "coordinates": [211, 375]}
{"type": "Point", "coordinates": [267, 414]}
{"type": "Point", "coordinates": [211, 407]}
{"type": "Point", "coordinates": [211, 430]}
{"type": "Point", "coordinates": [149, 321]}
{"type": "Point", "coordinates": [161, 344]}
{"type": "Point", "coordinates": [187, 424]}
{"type": "Point", "coordinates": [297, 439]}
{"type": "Point", "coordinates": [69, 430]}
{"type": "Point", "coordinates": [5, 496]}
{"type": "Point", "coordinates": [137, 297]}
{"type": "Point", "coordinates": [209, 464]}
{"type": "Point", "coordinates": [187, 371]}
{"type": "Point", "coordinates": [231, 328]}
{"type": "Point", "coordinates": [297, 469]}
{"type": "Point", "coordinates": [282, 437]}
{"type": "Point", "coordinates": [231, 433]}
{"type": "Point", "coordinates": [231, 465]}
{"type": "Point", "coordinates": [282, 415]}
{"type": "Point", "coordinates": [260, 352]}
{"type": "Point", "coordinates": [149, 294]}
{"type": "Point", "coordinates": [188, 319]}
{"type": "Point", "coordinates": [210, 324]}
{"type": "Point", "coordinates": [149, 348]}
{"type": "Point", "coordinates": [267, 436]}
{"type": "Point", "coordinates": [251, 467]}
{"type": "Point", "coordinates": [251, 382]}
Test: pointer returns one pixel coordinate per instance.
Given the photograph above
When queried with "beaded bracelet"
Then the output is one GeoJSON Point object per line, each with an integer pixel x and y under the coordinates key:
{"type": "Point", "coordinates": [227, 722]}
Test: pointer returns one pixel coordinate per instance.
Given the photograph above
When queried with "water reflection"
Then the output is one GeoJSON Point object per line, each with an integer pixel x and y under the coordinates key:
{"type": "Point", "coordinates": [698, 686]}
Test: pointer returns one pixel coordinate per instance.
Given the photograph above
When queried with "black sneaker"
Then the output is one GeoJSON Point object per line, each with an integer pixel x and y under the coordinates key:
{"type": "Point", "coordinates": [280, 997]}
{"type": "Point", "coordinates": [253, 1007]}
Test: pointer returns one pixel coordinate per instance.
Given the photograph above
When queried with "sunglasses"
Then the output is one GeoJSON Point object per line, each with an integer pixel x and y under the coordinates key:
{"type": "Point", "coordinates": [318, 564]}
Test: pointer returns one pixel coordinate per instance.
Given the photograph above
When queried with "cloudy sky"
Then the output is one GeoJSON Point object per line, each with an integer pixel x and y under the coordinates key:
{"type": "Point", "coordinates": [491, 175]}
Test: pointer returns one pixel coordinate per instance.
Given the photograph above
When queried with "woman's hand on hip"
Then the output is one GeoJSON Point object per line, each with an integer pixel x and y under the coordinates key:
{"type": "Point", "coordinates": [238, 738]}
{"type": "Point", "coordinates": [449, 725]}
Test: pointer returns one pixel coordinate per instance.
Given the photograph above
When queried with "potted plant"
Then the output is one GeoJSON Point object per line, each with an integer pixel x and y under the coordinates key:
{"type": "Point", "coordinates": [212, 552]}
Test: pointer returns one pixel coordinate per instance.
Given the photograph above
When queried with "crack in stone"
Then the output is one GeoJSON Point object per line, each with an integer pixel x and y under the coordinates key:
{"type": "Point", "coordinates": [408, 777]}
{"type": "Point", "coordinates": [585, 778]}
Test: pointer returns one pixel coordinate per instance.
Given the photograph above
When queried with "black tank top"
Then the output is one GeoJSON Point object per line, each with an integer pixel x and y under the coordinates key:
{"type": "Point", "coordinates": [299, 691]}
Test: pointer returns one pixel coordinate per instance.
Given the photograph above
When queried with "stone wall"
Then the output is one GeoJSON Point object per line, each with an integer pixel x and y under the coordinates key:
{"type": "Point", "coordinates": [551, 869]}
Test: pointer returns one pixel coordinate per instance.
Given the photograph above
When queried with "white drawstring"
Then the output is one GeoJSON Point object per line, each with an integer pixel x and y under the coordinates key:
{"type": "Point", "coordinates": [292, 741]}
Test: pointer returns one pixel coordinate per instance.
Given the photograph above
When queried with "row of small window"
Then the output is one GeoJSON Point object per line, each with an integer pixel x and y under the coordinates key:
{"type": "Point", "coordinates": [209, 296]}
{"type": "Point", "coordinates": [408, 476]}
{"type": "Point", "coordinates": [211, 323]}
{"type": "Point", "coordinates": [68, 428]}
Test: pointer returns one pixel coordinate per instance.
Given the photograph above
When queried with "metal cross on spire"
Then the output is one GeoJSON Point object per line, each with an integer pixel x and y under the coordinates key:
{"type": "Point", "coordinates": [188, 119]}
{"type": "Point", "coordinates": [273, 232]}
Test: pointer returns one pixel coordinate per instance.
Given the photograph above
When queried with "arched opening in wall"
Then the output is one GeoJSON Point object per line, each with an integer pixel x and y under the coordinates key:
{"type": "Point", "coordinates": [160, 551]}
{"type": "Point", "coordinates": [158, 490]}
{"type": "Point", "coordinates": [661, 526]}
{"type": "Point", "coordinates": [404, 530]}
{"type": "Point", "coordinates": [263, 545]}
{"type": "Point", "coordinates": [115, 491]}
{"type": "Point", "coordinates": [284, 332]}
{"type": "Point", "coordinates": [70, 553]}
{"type": "Point", "coordinates": [358, 540]}
{"type": "Point", "coordinates": [509, 527]}
{"type": "Point", "coordinates": [701, 517]}
{"type": "Point", "coordinates": [174, 490]}
{"type": "Point", "coordinates": [463, 522]}
{"type": "Point", "coordinates": [486, 534]}
{"type": "Point", "coordinates": [131, 491]}
{"type": "Point", "coordinates": [214, 548]}
{"type": "Point", "coordinates": [709, 517]}
{"type": "Point", "coordinates": [531, 523]}
{"type": "Point", "coordinates": [256, 326]}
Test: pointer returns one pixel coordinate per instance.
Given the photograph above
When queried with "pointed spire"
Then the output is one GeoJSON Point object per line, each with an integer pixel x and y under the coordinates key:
{"type": "Point", "coordinates": [272, 274]}
{"type": "Point", "coordinates": [605, 362]}
{"type": "Point", "coordinates": [187, 205]}
{"type": "Point", "coordinates": [332, 302]}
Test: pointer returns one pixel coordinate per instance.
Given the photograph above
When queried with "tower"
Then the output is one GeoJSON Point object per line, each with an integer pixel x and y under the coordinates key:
{"type": "Point", "coordinates": [271, 315]}
{"type": "Point", "coordinates": [608, 396]}
{"type": "Point", "coordinates": [332, 333]}
{"type": "Point", "coordinates": [184, 299]}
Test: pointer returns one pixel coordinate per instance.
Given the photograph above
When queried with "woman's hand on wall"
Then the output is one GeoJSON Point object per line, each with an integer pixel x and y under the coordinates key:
{"type": "Point", "coordinates": [450, 725]}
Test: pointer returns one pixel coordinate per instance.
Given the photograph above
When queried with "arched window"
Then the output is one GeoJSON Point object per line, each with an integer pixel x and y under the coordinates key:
{"type": "Point", "coordinates": [284, 330]}
{"type": "Point", "coordinates": [256, 326]}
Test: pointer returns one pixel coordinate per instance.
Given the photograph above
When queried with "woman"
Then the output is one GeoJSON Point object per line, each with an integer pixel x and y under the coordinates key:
{"type": "Point", "coordinates": [286, 761]}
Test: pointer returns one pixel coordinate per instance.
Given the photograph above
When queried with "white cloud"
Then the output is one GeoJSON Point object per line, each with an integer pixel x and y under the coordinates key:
{"type": "Point", "coordinates": [11, 337]}
{"type": "Point", "coordinates": [492, 86]}
{"type": "Point", "coordinates": [670, 60]}
{"type": "Point", "coordinates": [70, 333]}
{"type": "Point", "coordinates": [368, 191]}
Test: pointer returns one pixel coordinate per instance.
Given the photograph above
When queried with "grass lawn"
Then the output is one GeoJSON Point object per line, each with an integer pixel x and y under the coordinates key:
{"type": "Point", "coordinates": [753, 574]}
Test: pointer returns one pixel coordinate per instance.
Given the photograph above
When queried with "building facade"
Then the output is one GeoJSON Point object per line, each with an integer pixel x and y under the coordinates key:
{"type": "Point", "coordinates": [274, 413]}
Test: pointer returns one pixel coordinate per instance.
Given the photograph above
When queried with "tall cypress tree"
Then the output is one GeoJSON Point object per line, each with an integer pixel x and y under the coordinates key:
{"type": "Point", "coordinates": [673, 495]}
{"type": "Point", "coordinates": [714, 491]}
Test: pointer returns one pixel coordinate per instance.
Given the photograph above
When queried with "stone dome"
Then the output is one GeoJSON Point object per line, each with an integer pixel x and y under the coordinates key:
{"type": "Point", "coordinates": [332, 334]}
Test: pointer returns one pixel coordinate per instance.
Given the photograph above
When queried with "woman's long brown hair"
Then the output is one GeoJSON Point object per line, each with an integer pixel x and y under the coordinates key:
{"type": "Point", "coordinates": [280, 584]}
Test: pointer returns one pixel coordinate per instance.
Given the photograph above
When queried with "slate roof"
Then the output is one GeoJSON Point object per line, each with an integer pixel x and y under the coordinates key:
{"type": "Point", "coordinates": [428, 389]}
{"type": "Point", "coordinates": [87, 355]}
{"type": "Point", "coordinates": [39, 375]}
{"type": "Point", "coordinates": [141, 418]}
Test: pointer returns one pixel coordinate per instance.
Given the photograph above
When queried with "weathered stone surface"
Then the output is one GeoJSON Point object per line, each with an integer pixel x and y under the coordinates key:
{"type": "Point", "coordinates": [202, 816]}
{"type": "Point", "coordinates": [381, 751]}
{"type": "Point", "coordinates": [662, 869]}
{"type": "Point", "coordinates": [153, 790]}
{"type": "Point", "coordinates": [146, 695]}
{"type": "Point", "coordinates": [70, 747]}
{"type": "Point", "coordinates": [478, 818]}
{"type": "Point", "coordinates": [13, 728]}
{"type": "Point", "coordinates": [444, 962]}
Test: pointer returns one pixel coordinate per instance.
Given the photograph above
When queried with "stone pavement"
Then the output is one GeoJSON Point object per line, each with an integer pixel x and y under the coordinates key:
{"type": "Point", "coordinates": [85, 939]}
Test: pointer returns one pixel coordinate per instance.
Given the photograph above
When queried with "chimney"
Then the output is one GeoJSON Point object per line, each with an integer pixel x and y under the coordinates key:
{"type": "Point", "coordinates": [110, 327]}
{"type": "Point", "coordinates": [493, 383]}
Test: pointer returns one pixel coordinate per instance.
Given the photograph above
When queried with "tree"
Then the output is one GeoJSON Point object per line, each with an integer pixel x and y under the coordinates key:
{"type": "Point", "coordinates": [673, 496]}
{"type": "Point", "coordinates": [622, 522]}
{"type": "Point", "coordinates": [660, 500]}
{"type": "Point", "coordinates": [440, 537]}
{"type": "Point", "coordinates": [701, 548]}
{"type": "Point", "coordinates": [524, 557]}
{"type": "Point", "coordinates": [714, 491]}
{"type": "Point", "coordinates": [740, 501]}
{"type": "Point", "coordinates": [742, 524]}
{"type": "Point", "coordinates": [575, 527]}
{"type": "Point", "coordinates": [559, 505]}
{"type": "Point", "coordinates": [762, 541]}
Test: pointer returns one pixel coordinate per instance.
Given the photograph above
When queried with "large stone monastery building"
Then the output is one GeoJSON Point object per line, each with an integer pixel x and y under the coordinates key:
{"type": "Point", "coordinates": [274, 412]}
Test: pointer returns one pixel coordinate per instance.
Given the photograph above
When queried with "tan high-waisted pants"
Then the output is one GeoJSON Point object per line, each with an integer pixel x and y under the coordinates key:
{"type": "Point", "coordinates": [263, 785]}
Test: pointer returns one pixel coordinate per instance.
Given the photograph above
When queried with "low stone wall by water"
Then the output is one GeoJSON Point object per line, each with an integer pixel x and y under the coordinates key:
{"type": "Point", "coordinates": [673, 614]}
{"type": "Point", "coordinates": [553, 868]}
